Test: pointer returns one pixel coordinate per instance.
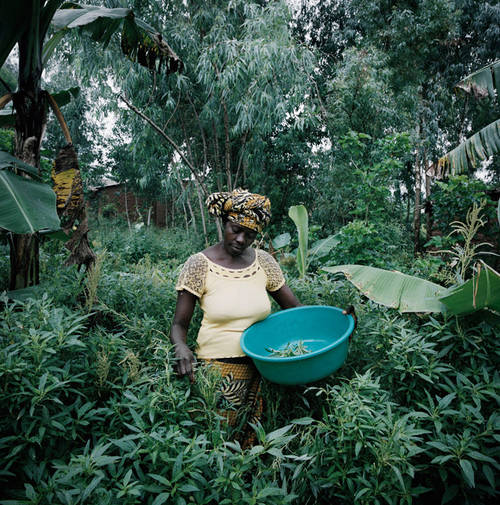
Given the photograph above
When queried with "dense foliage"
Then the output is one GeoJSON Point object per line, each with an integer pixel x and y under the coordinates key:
{"type": "Point", "coordinates": [341, 105]}
{"type": "Point", "coordinates": [92, 410]}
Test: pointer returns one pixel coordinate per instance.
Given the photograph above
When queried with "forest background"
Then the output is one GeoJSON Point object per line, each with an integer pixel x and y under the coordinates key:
{"type": "Point", "coordinates": [343, 106]}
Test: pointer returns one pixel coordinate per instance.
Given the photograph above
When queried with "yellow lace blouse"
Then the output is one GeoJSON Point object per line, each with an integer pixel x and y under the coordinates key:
{"type": "Point", "coordinates": [231, 300]}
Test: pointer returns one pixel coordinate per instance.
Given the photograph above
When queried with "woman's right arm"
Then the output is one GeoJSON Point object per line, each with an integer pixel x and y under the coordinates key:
{"type": "Point", "coordinates": [184, 309]}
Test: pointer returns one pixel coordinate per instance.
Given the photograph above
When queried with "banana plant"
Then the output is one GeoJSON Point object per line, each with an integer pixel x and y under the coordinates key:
{"type": "Point", "coordinates": [407, 293]}
{"type": "Point", "coordinates": [26, 205]}
{"type": "Point", "coordinates": [481, 145]}
{"type": "Point", "coordinates": [298, 214]}
{"type": "Point", "coordinates": [320, 248]}
{"type": "Point", "coordinates": [26, 23]}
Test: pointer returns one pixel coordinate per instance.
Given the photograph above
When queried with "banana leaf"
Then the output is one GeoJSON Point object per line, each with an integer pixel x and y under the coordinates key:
{"type": "Point", "coordinates": [298, 214]}
{"type": "Point", "coordinates": [7, 161]}
{"type": "Point", "coordinates": [139, 41]}
{"type": "Point", "coordinates": [477, 148]}
{"type": "Point", "coordinates": [14, 21]}
{"type": "Point", "coordinates": [394, 289]}
{"type": "Point", "coordinates": [484, 82]}
{"type": "Point", "coordinates": [480, 292]}
{"type": "Point", "coordinates": [322, 247]}
{"type": "Point", "coordinates": [63, 97]}
{"type": "Point", "coordinates": [26, 206]}
{"type": "Point", "coordinates": [485, 143]}
{"type": "Point", "coordinates": [281, 240]}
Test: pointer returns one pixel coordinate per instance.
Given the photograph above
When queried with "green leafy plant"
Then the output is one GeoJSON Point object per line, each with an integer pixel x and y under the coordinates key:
{"type": "Point", "coordinates": [298, 214]}
{"type": "Point", "coordinates": [466, 253]}
{"type": "Point", "coordinates": [411, 294]}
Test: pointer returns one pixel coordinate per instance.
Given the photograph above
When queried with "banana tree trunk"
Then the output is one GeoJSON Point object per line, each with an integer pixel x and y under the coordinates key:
{"type": "Point", "coordinates": [29, 103]}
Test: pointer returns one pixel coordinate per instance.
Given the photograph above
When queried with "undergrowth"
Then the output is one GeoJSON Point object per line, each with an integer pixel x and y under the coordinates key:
{"type": "Point", "coordinates": [92, 411]}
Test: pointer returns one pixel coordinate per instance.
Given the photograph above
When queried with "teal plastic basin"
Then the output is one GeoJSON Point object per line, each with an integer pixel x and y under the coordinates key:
{"type": "Point", "coordinates": [324, 331]}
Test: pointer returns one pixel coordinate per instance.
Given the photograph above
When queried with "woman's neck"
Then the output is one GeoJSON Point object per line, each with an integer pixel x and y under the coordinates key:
{"type": "Point", "coordinates": [218, 254]}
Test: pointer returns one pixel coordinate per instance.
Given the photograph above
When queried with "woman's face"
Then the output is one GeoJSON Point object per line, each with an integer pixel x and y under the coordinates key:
{"type": "Point", "coordinates": [237, 238]}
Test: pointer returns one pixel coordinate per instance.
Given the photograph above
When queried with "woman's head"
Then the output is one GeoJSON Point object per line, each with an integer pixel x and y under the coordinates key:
{"type": "Point", "coordinates": [249, 210]}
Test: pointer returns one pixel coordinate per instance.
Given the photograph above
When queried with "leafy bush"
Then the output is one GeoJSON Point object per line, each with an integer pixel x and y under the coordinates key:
{"type": "Point", "coordinates": [378, 245]}
{"type": "Point", "coordinates": [92, 411]}
{"type": "Point", "coordinates": [452, 199]}
{"type": "Point", "coordinates": [133, 245]}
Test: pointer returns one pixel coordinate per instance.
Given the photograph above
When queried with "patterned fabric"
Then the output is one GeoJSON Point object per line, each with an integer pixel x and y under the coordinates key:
{"type": "Point", "coordinates": [194, 271]}
{"type": "Point", "coordinates": [275, 278]}
{"type": "Point", "coordinates": [240, 402]}
{"type": "Point", "coordinates": [192, 276]}
{"type": "Point", "coordinates": [239, 206]}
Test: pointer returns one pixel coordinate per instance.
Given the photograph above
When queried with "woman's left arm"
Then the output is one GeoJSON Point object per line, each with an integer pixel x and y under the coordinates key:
{"type": "Point", "coordinates": [285, 298]}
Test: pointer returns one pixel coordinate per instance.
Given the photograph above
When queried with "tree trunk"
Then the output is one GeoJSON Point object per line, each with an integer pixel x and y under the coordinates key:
{"type": "Point", "coordinates": [126, 209]}
{"type": "Point", "coordinates": [173, 212]}
{"type": "Point", "coordinates": [428, 203]}
{"type": "Point", "coordinates": [24, 261]}
{"type": "Point", "coordinates": [227, 148]}
{"type": "Point", "coordinates": [416, 212]}
{"type": "Point", "coordinates": [138, 212]}
{"type": "Point", "coordinates": [202, 212]}
{"type": "Point", "coordinates": [29, 103]}
{"type": "Point", "coordinates": [185, 216]}
{"type": "Point", "coordinates": [193, 219]}
{"type": "Point", "coordinates": [166, 213]}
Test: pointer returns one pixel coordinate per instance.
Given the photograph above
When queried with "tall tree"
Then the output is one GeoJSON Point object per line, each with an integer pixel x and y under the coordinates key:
{"type": "Point", "coordinates": [244, 76]}
{"type": "Point", "coordinates": [26, 23]}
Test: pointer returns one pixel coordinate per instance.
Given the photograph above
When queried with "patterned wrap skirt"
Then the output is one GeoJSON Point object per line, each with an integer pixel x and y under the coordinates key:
{"type": "Point", "coordinates": [240, 401]}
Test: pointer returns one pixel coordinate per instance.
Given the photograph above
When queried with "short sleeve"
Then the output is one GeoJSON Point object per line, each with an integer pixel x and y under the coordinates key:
{"type": "Point", "coordinates": [193, 274]}
{"type": "Point", "coordinates": [275, 278]}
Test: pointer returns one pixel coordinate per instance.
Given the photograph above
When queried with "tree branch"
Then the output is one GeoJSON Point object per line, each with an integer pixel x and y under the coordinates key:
{"type": "Point", "coordinates": [243, 143]}
{"type": "Point", "coordinates": [168, 139]}
{"type": "Point", "coordinates": [4, 100]}
{"type": "Point", "coordinates": [202, 133]}
{"type": "Point", "coordinates": [227, 145]}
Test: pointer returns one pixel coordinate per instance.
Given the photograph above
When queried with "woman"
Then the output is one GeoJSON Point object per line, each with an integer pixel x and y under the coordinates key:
{"type": "Point", "coordinates": [231, 281]}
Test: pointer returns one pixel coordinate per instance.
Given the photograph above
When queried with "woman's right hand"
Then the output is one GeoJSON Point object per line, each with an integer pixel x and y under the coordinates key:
{"type": "Point", "coordinates": [185, 361]}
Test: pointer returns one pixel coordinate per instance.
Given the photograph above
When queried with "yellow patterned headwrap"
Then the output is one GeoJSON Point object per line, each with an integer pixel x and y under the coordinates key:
{"type": "Point", "coordinates": [239, 206]}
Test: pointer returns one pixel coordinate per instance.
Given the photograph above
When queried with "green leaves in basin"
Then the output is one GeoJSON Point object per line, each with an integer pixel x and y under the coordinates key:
{"type": "Point", "coordinates": [393, 289]}
{"type": "Point", "coordinates": [298, 214]}
{"type": "Point", "coordinates": [480, 292]}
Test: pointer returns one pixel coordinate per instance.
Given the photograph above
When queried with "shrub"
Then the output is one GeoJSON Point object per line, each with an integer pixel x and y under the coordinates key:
{"type": "Point", "coordinates": [378, 245]}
